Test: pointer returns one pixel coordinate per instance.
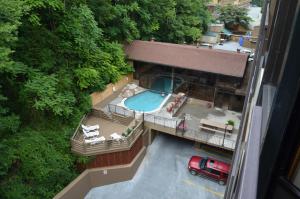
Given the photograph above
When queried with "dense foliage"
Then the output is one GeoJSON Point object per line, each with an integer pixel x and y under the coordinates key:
{"type": "Point", "coordinates": [258, 3]}
{"type": "Point", "coordinates": [53, 54]}
{"type": "Point", "coordinates": [175, 21]}
{"type": "Point", "coordinates": [233, 16]}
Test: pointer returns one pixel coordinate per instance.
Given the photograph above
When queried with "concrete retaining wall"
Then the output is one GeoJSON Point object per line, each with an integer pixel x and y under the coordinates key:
{"type": "Point", "coordinates": [91, 178]}
{"type": "Point", "coordinates": [110, 89]}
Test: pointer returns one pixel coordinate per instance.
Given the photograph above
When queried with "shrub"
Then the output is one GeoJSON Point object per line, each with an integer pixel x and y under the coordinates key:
{"type": "Point", "coordinates": [230, 122]}
{"type": "Point", "coordinates": [127, 133]}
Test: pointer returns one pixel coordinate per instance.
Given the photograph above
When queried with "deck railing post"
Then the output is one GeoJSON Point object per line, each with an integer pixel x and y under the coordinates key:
{"type": "Point", "coordinates": [224, 134]}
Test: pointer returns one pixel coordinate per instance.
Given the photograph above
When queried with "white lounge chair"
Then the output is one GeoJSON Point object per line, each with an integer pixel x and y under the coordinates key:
{"type": "Point", "coordinates": [89, 134]}
{"type": "Point", "coordinates": [116, 136]}
{"type": "Point", "coordinates": [90, 128]}
{"type": "Point", "coordinates": [94, 140]}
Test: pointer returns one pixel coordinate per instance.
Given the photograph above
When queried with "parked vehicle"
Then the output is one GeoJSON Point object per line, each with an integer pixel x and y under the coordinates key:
{"type": "Point", "coordinates": [208, 167]}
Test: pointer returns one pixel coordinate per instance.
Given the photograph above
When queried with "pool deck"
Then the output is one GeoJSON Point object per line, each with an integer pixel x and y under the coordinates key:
{"type": "Point", "coordinates": [192, 111]}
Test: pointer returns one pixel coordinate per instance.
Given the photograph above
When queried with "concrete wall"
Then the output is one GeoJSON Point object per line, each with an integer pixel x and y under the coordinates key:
{"type": "Point", "coordinates": [117, 158]}
{"type": "Point", "coordinates": [91, 178]}
{"type": "Point", "coordinates": [110, 89]}
{"type": "Point", "coordinates": [95, 177]}
{"type": "Point", "coordinates": [216, 27]}
{"type": "Point", "coordinates": [210, 39]}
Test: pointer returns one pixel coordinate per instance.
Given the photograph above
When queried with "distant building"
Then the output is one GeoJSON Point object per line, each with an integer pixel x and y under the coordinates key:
{"type": "Point", "coordinates": [234, 2]}
{"type": "Point", "coordinates": [266, 163]}
{"type": "Point", "coordinates": [211, 38]}
{"type": "Point", "coordinates": [242, 3]}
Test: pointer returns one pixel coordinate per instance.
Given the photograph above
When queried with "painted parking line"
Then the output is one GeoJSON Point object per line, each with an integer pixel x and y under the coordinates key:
{"type": "Point", "coordinates": [189, 182]}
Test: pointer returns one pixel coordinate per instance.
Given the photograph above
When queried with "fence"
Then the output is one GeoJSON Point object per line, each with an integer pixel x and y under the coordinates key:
{"type": "Point", "coordinates": [175, 126]}
{"type": "Point", "coordinates": [112, 108]}
{"type": "Point", "coordinates": [162, 121]}
{"type": "Point", "coordinates": [107, 145]}
{"type": "Point", "coordinates": [208, 138]}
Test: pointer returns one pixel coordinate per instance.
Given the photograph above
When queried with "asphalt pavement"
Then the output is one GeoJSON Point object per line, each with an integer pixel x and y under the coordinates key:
{"type": "Point", "coordinates": [163, 174]}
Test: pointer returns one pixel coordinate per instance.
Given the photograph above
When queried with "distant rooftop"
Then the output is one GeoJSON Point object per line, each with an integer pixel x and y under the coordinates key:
{"type": "Point", "coordinates": [188, 57]}
{"type": "Point", "coordinates": [230, 46]}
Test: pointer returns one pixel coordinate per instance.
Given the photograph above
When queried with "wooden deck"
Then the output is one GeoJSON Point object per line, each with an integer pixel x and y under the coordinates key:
{"type": "Point", "coordinates": [107, 127]}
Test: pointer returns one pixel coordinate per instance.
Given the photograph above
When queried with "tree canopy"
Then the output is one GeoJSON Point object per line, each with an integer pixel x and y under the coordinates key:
{"type": "Point", "coordinates": [53, 54]}
{"type": "Point", "coordinates": [258, 3]}
{"type": "Point", "coordinates": [232, 16]}
{"type": "Point", "coordinates": [175, 21]}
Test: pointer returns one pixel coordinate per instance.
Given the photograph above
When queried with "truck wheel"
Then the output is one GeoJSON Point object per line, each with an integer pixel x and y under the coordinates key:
{"type": "Point", "coordinates": [193, 172]}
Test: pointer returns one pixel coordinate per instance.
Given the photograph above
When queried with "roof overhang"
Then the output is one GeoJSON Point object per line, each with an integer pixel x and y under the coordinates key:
{"type": "Point", "coordinates": [188, 57]}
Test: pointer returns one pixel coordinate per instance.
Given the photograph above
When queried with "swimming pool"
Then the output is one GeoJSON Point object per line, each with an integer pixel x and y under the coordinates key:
{"type": "Point", "coordinates": [163, 83]}
{"type": "Point", "coordinates": [147, 101]}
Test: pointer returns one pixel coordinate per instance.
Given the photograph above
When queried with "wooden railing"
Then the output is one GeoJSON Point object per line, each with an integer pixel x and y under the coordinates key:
{"type": "Point", "coordinates": [106, 146]}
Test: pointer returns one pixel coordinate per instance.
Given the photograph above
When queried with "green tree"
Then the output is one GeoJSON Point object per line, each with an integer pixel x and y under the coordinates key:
{"type": "Point", "coordinates": [258, 2]}
{"type": "Point", "coordinates": [53, 54]}
{"type": "Point", "coordinates": [166, 20]}
{"type": "Point", "coordinates": [191, 21]}
{"type": "Point", "coordinates": [42, 94]}
{"type": "Point", "coordinates": [115, 18]}
{"type": "Point", "coordinates": [233, 16]}
{"type": "Point", "coordinates": [10, 15]}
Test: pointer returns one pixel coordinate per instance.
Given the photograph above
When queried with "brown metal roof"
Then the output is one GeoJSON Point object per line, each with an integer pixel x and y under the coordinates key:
{"type": "Point", "coordinates": [188, 57]}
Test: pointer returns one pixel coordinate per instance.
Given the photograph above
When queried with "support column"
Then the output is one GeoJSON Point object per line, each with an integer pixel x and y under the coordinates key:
{"type": "Point", "coordinates": [172, 81]}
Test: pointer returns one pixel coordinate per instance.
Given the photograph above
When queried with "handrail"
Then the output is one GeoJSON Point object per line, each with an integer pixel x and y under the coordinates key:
{"type": "Point", "coordinates": [108, 145]}
{"type": "Point", "coordinates": [163, 121]}
{"type": "Point", "coordinates": [77, 128]}
{"type": "Point", "coordinates": [116, 109]}
{"type": "Point", "coordinates": [209, 138]}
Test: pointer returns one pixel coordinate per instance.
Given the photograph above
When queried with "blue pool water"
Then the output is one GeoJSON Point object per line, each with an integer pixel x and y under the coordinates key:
{"type": "Point", "coordinates": [145, 101]}
{"type": "Point", "coordinates": [163, 83]}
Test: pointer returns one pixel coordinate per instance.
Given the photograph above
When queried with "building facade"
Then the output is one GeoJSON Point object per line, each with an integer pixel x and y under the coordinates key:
{"type": "Point", "coordinates": [267, 157]}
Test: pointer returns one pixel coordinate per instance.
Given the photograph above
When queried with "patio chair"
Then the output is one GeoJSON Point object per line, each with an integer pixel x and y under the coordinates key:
{"type": "Point", "coordinates": [89, 128]}
{"type": "Point", "coordinates": [95, 140]}
{"type": "Point", "coordinates": [169, 108]}
{"type": "Point", "coordinates": [89, 134]}
{"type": "Point", "coordinates": [181, 94]}
{"type": "Point", "coordinates": [116, 136]}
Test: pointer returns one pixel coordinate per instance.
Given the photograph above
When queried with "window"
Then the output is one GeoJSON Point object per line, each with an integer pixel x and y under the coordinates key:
{"type": "Point", "coordinates": [203, 163]}
{"type": "Point", "coordinates": [215, 172]}
{"type": "Point", "coordinates": [211, 163]}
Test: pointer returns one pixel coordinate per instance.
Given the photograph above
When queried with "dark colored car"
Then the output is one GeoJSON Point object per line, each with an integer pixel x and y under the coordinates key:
{"type": "Point", "coordinates": [208, 167]}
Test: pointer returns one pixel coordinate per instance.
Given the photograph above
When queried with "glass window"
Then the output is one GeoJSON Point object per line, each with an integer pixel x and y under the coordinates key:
{"type": "Point", "coordinates": [215, 172]}
{"type": "Point", "coordinates": [295, 169]}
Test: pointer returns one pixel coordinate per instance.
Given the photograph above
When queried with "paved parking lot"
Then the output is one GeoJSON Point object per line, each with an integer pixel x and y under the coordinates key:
{"type": "Point", "coordinates": [163, 174]}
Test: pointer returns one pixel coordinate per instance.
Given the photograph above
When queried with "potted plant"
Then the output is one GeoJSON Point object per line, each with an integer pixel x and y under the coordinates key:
{"type": "Point", "coordinates": [230, 122]}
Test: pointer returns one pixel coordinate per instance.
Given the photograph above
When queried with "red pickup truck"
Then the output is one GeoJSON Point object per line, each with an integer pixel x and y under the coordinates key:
{"type": "Point", "coordinates": [208, 167]}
